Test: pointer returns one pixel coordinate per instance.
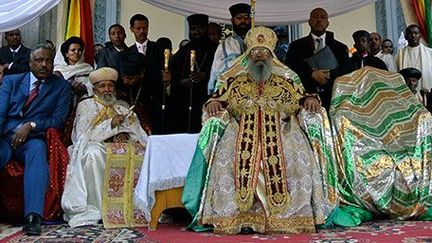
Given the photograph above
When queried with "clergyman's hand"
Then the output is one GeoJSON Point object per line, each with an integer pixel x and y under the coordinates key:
{"type": "Point", "coordinates": [166, 77]}
{"type": "Point", "coordinates": [121, 138]}
{"type": "Point", "coordinates": [213, 108]}
{"type": "Point", "coordinates": [320, 76]}
{"type": "Point", "coordinates": [21, 135]}
{"type": "Point", "coordinates": [312, 104]}
{"type": "Point", "coordinates": [117, 120]}
{"type": "Point", "coordinates": [186, 82]}
{"type": "Point", "coordinates": [78, 88]}
{"type": "Point", "coordinates": [197, 77]}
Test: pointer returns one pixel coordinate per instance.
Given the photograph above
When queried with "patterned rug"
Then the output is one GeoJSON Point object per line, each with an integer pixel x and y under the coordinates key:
{"type": "Point", "coordinates": [384, 231]}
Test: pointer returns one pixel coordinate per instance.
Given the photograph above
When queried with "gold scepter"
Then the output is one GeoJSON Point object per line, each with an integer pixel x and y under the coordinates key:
{"type": "Point", "coordinates": [252, 13]}
{"type": "Point", "coordinates": [192, 70]}
{"type": "Point", "coordinates": [167, 55]}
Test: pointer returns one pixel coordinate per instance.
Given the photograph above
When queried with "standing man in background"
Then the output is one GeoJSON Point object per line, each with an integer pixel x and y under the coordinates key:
{"type": "Point", "coordinates": [314, 81]}
{"type": "Point", "coordinates": [189, 88]}
{"type": "Point", "coordinates": [110, 56]}
{"type": "Point", "coordinates": [154, 75]}
{"type": "Point", "coordinates": [416, 55]}
{"type": "Point", "coordinates": [375, 44]}
{"type": "Point", "coordinates": [233, 46]}
{"type": "Point", "coordinates": [14, 57]}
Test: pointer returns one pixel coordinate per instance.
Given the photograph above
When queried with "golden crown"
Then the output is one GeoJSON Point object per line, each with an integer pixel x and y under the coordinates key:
{"type": "Point", "coordinates": [261, 37]}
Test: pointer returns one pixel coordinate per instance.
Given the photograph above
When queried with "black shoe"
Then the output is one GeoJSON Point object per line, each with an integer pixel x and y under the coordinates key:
{"type": "Point", "coordinates": [246, 230]}
{"type": "Point", "coordinates": [32, 224]}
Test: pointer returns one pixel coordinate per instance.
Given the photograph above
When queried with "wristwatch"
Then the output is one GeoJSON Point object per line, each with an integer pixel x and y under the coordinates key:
{"type": "Point", "coordinates": [33, 125]}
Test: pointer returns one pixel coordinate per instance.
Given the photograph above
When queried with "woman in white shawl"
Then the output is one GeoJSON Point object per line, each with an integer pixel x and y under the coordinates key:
{"type": "Point", "coordinates": [69, 62]}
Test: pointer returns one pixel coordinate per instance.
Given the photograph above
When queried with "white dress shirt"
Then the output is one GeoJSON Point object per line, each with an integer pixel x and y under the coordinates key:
{"type": "Point", "coordinates": [142, 48]}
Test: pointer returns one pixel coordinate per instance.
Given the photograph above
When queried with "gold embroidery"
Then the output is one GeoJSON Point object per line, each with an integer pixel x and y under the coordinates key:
{"type": "Point", "coordinates": [123, 165]}
{"type": "Point", "coordinates": [259, 138]}
{"type": "Point", "coordinates": [105, 113]}
{"type": "Point", "coordinates": [259, 223]}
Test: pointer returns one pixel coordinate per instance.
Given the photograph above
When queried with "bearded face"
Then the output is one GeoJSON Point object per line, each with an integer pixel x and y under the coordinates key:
{"type": "Point", "coordinates": [109, 99]}
{"type": "Point", "coordinates": [412, 84]}
{"type": "Point", "coordinates": [260, 64]}
{"type": "Point", "coordinates": [241, 24]}
{"type": "Point", "coordinates": [106, 91]}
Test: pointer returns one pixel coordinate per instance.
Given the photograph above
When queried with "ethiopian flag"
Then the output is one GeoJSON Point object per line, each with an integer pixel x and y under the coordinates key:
{"type": "Point", "coordinates": [79, 23]}
{"type": "Point", "coordinates": [422, 10]}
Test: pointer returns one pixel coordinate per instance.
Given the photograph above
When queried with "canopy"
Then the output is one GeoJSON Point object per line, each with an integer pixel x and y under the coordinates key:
{"type": "Point", "coordinates": [16, 13]}
{"type": "Point", "coordinates": [268, 12]}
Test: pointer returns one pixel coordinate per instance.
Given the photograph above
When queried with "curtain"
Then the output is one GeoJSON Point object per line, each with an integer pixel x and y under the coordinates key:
{"type": "Point", "coordinates": [16, 13]}
{"type": "Point", "coordinates": [268, 12]}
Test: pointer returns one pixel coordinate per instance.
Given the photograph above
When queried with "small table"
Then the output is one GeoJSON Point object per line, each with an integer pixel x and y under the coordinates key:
{"type": "Point", "coordinates": [163, 173]}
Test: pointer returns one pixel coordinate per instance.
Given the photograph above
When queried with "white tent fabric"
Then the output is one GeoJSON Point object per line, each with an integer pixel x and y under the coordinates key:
{"type": "Point", "coordinates": [16, 13]}
{"type": "Point", "coordinates": [268, 12]}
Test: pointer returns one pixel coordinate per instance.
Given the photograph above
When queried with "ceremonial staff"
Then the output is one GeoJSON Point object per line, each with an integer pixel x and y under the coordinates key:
{"type": "Point", "coordinates": [167, 54]}
{"type": "Point", "coordinates": [192, 70]}
{"type": "Point", "coordinates": [252, 13]}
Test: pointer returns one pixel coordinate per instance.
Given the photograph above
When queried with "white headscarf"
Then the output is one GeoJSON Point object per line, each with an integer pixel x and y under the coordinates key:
{"type": "Point", "coordinates": [69, 71]}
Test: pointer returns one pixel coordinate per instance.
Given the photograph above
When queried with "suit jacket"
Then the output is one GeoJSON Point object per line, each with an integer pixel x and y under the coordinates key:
{"type": "Point", "coordinates": [151, 93]}
{"type": "Point", "coordinates": [48, 110]}
{"type": "Point", "coordinates": [110, 57]}
{"type": "Point", "coordinates": [355, 62]}
{"type": "Point", "coordinates": [21, 62]}
{"type": "Point", "coordinates": [153, 70]}
{"type": "Point", "coordinates": [303, 48]}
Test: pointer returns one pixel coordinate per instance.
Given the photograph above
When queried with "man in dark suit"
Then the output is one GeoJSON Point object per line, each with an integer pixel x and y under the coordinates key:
{"type": "Point", "coordinates": [110, 56]}
{"type": "Point", "coordinates": [189, 89]}
{"type": "Point", "coordinates": [153, 88]}
{"type": "Point", "coordinates": [14, 57]}
{"type": "Point", "coordinates": [316, 81]}
{"type": "Point", "coordinates": [362, 57]}
{"type": "Point", "coordinates": [29, 104]}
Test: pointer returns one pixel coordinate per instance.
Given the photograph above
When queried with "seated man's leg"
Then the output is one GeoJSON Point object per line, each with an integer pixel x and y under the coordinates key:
{"type": "Point", "coordinates": [34, 155]}
{"type": "Point", "coordinates": [94, 172]}
{"type": "Point", "coordinates": [82, 197]}
{"type": "Point", "coordinates": [5, 152]}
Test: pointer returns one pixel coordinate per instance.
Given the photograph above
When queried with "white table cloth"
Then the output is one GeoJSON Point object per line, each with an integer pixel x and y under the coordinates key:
{"type": "Point", "coordinates": [166, 163]}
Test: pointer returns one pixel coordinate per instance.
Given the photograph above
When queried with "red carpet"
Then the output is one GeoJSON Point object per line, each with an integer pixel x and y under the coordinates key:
{"type": "Point", "coordinates": [384, 231]}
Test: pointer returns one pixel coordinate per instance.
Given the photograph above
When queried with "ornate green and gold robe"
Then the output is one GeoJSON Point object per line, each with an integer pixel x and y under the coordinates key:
{"type": "Point", "coordinates": [264, 163]}
{"type": "Point", "coordinates": [383, 138]}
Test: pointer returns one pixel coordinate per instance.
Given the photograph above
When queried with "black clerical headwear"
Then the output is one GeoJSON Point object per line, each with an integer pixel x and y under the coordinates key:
{"type": "Point", "coordinates": [240, 8]}
{"type": "Point", "coordinates": [410, 73]}
{"type": "Point", "coordinates": [198, 19]}
{"type": "Point", "coordinates": [360, 33]}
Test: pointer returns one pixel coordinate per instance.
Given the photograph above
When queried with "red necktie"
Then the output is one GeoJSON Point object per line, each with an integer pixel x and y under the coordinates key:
{"type": "Point", "coordinates": [33, 93]}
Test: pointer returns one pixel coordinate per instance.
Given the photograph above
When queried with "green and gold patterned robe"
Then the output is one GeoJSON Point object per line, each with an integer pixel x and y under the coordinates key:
{"type": "Point", "coordinates": [383, 138]}
{"type": "Point", "coordinates": [264, 163]}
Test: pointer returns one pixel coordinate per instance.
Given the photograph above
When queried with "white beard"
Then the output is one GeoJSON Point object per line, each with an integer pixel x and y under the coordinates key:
{"type": "Point", "coordinates": [260, 70]}
{"type": "Point", "coordinates": [109, 99]}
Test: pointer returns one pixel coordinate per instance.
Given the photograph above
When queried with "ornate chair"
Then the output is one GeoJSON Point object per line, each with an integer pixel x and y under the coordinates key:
{"type": "Point", "coordinates": [12, 177]}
